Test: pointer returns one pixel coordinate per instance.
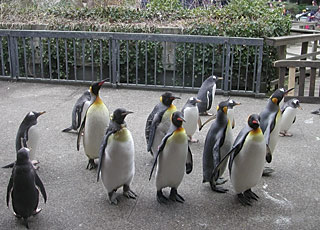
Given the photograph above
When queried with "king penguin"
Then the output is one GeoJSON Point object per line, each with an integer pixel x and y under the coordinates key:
{"type": "Point", "coordinates": [270, 123]}
{"type": "Point", "coordinates": [28, 136]}
{"type": "Point", "coordinates": [24, 186]}
{"type": "Point", "coordinates": [191, 115]}
{"type": "Point", "coordinates": [231, 105]}
{"type": "Point", "coordinates": [116, 157]}
{"type": "Point", "coordinates": [206, 94]}
{"type": "Point", "coordinates": [172, 159]}
{"type": "Point", "coordinates": [289, 111]}
{"type": "Point", "coordinates": [247, 160]}
{"type": "Point", "coordinates": [218, 143]}
{"type": "Point", "coordinates": [158, 121]}
{"type": "Point", "coordinates": [79, 110]}
{"type": "Point", "coordinates": [94, 125]}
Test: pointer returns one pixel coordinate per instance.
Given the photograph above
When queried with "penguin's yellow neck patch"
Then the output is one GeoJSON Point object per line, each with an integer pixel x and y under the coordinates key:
{"type": "Point", "coordinates": [172, 108]}
{"type": "Point", "coordinates": [121, 136]}
{"type": "Point", "coordinates": [256, 134]}
{"type": "Point", "coordinates": [179, 136]}
{"type": "Point", "coordinates": [98, 100]}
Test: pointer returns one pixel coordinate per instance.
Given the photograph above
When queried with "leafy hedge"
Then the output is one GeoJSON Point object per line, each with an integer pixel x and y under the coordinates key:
{"type": "Point", "coordinates": [240, 18]}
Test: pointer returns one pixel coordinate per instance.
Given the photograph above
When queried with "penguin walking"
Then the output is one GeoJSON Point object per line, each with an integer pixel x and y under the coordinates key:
{"type": "Point", "coordinates": [231, 105]}
{"type": "Point", "coordinates": [158, 121]}
{"type": "Point", "coordinates": [206, 94]}
{"type": "Point", "coordinates": [94, 125]}
{"type": "Point", "coordinates": [24, 186]}
{"type": "Point", "coordinates": [28, 136]}
{"type": "Point", "coordinates": [218, 143]}
{"type": "Point", "coordinates": [270, 124]}
{"type": "Point", "coordinates": [247, 160]}
{"type": "Point", "coordinates": [289, 111]}
{"type": "Point", "coordinates": [79, 110]}
{"type": "Point", "coordinates": [172, 159]}
{"type": "Point", "coordinates": [191, 115]}
{"type": "Point", "coordinates": [116, 157]}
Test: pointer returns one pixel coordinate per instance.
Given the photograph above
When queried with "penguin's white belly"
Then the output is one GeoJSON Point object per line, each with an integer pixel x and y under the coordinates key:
{"type": "Point", "coordinates": [287, 118]}
{"type": "Point", "coordinates": [213, 93]}
{"type": "Point", "coordinates": [96, 123]}
{"type": "Point", "coordinates": [274, 135]}
{"type": "Point", "coordinates": [33, 140]}
{"type": "Point", "coordinates": [191, 116]}
{"type": "Point", "coordinates": [247, 167]}
{"type": "Point", "coordinates": [118, 163]}
{"type": "Point", "coordinates": [230, 116]}
{"type": "Point", "coordinates": [225, 148]}
{"type": "Point", "coordinates": [171, 164]}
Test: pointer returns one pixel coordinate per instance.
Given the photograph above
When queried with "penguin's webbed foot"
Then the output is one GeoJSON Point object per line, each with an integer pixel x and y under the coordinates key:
{"type": "Point", "coordinates": [37, 211]}
{"type": "Point", "coordinates": [243, 199]}
{"type": "Point", "coordinates": [17, 215]}
{"type": "Point", "coordinates": [127, 192]}
{"type": "Point", "coordinates": [250, 195]}
{"type": "Point", "coordinates": [91, 164]}
{"type": "Point", "coordinates": [26, 222]}
{"type": "Point", "coordinates": [113, 198]}
{"type": "Point", "coordinates": [67, 130]}
{"type": "Point", "coordinates": [285, 134]}
{"type": "Point", "coordinates": [191, 140]}
{"type": "Point", "coordinates": [174, 196]}
{"type": "Point", "coordinates": [217, 189]}
{"type": "Point", "coordinates": [221, 181]}
{"type": "Point", "coordinates": [161, 198]}
{"type": "Point", "coordinates": [35, 164]}
{"type": "Point", "coordinates": [267, 171]}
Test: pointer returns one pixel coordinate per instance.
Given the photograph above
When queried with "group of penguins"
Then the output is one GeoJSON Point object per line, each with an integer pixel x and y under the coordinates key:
{"type": "Point", "coordinates": [168, 134]}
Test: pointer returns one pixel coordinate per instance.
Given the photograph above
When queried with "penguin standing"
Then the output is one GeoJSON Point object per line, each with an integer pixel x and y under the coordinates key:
{"type": "Point", "coordinates": [79, 110]}
{"type": "Point", "coordinates": [231, 105]}
{"type": "Point", "coordinates": [158, 121]}
{"type": "Point", "coordinates": [116, 157]}
{"type": "Point", "coordinates": [191, 115]}
{"type": "Point", "coordinates": [172, 159]}
{"type": "Point", "coordinates": [270, 123]}
{"type": "Point", "coordinates": [24, 186]}
{"type": "Point", "coordinates": [247, 160]}
{"type": "Point", "coordinates": [317, 111]}
{"type": "Point", "coordinates": [94, 125]}
{"type": "Point", "coordinates": [218, 143]}
{"type": "Point", "coordinates": [289, 111]}
{"type": "Point", "coordinates": [206, 94]}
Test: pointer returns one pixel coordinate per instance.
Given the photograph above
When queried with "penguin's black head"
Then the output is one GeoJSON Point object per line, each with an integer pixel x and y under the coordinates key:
{"type": "Point", "coordinates": [31, 118]}
{"type": "Point", "coordinates": [193, 100]}
{"type": "Point", "coordinates": [223, 107]}
{"type": "Point", "coordinates": [278, 95]}
{"type": "Point", "coordinates": [95, 87]}
{"type": "Point", "coordinates": [119, 115]}
{"type": "Point", "coordinates": [22, 156]}
{"type": "Point", "coordinates": [167, 98]}
{"type": "Point", "coordinates": [232, 103]}
{"type": "Point", "coordinates": [177, 118]}
{"type": "Point", "coordinates": [254, 121]}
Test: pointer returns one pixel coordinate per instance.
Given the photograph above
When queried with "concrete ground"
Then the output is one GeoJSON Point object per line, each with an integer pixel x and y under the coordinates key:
{"type": "Point", "coordinates": [289, 199]}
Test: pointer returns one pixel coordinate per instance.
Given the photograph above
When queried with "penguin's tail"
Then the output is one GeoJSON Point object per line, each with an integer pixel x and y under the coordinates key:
{"type": "Point", "coordinates": [8, 166]}
{"type": "Point", "coordinates": [67, 129]}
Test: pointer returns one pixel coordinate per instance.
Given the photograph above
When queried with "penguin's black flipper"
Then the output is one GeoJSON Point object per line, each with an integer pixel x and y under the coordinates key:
{"type": "Point", "coordinates": [41, 187]}
{"type": "Point", "coordinates": [152, 129]}
{"type": "Point", "coordinates": [189, 163]}
{"type": "Point", "coordinates": [9, 165]}
{"type": "Point", "coordinates": [67, 129]}
{"type": "Point", "coordinates": [160, 148]}
{"type": "Point", "coordinates": [80, 132]}
{"type": "Point", "coordinates": [9, 189]}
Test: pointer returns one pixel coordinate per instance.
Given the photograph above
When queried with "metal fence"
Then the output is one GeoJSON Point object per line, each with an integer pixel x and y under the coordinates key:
{"type": "Point", "coordinates": [158, 61]}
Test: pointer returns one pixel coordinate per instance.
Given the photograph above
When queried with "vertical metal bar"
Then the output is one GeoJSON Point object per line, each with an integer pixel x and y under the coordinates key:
{"type": "Point", "coordinates": [247, 67]}
{"type": "Point", "coordinates": [184, 65]}
{"type": "Point", "coordinates": [174, 67]}
{"type": "Point", "coordinates": [2, 61]}
{"type": "Point", "coordinates": [114, 61]}
{"type": "Point", "coordinates": [193, 64]}
{"type": "Point", "coordinates": [49, 55]}
{"type": "Point", "coordinates": [213, 56]}
{"type": "Point", "coordinates": [17, 58]}
{"type": "Point", "coordinates": [146, 64]}
{"type": "Point", "coordinates": [83, 58]}
{"type": "Point", "coordinates": [58, 59]}
{"type": "Point", "coordinates": [110, 60]}
{"type": "Point", "coordinates": [92, 67]}
{"type": "Point", "coordinates": [101, 64]}
{"type": "Point", "coordinates": [231, 67]}
{"type": "Point", "coordinates": [75, 59]}
{"type": "Point", "coordinates": [127, 49]}
{"type": "Point", "coordinates": [10, 55]}
{"type": "Point", "coordinates": [118, 61]}
{"type": "Point", "coordinates": [259, 69]}
{"type": "Point", "coordinates": [155, 65]}
{"type": "Point", "coordinates": [25, 57]}
{"type": "Point", "coordinates": [41, 58]}
{"type": "Point", "coordinates": [66, 55]}
{"type": "Point", "coordinates": [33, 61]}
{"type": "Point", "coordinates": [137, 59]}
{"type": "Point", "coordinates": [222, 66]}
{"type": "Point", "coordinates": [239, 68]}
{"type": "Point", "coordinates": [226, 79]}
{"type": "Point", "coordinates": [254, 69]}
{"type": "Point", "coordinates": [203, 58]}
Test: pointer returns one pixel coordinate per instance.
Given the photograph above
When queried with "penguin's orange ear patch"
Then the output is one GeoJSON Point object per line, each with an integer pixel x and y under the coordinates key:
{"type": "Point", "coordinates": [217, 107]}
{"type": "Point", "coordinates": [161, 99]}
{"type": "Point", "coordinates": [274, 100]}
{"type": "Point", "coordinates": [225, 109]}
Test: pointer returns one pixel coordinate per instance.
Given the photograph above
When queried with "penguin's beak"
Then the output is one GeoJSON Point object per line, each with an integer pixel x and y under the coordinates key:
{"type": "Point", "coordinates": [101, 83]}
{"type": "Point", "coordinates": [299, 107]}
{"type": "Point", "coordinates": [237, 103]}
{"type": "Point", "coordinates": [256, 122]}
{"type": "Point", "coordinates": [174, 97]}
{"type": "Point", "coordinates": [286, 92]}
{"type": "Point", "coordinates": [43, 112]}
{"type": "Point", "coordinates": [181, 119]}
{"type": "Point", "coordinates": [126, 113]}
{"type": "Point", "coordinates": [198, 100]}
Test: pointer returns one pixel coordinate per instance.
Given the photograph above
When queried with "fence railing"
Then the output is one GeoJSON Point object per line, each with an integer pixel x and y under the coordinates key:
{"type": "Point", "coordinates": [177, 62]}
